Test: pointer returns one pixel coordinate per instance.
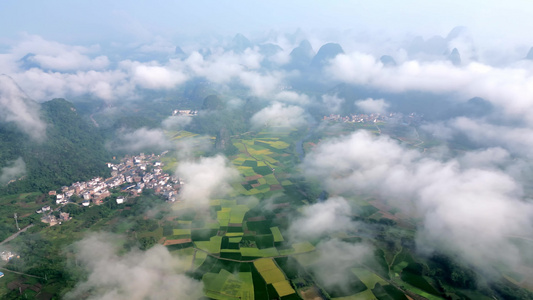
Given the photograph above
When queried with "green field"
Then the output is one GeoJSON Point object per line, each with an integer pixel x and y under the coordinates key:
{"type": "Point", "coordinates": [211, 246]}
{"type": "Point", "coordinates": [369, 278]}
{"type": "Point", "coordinates": [181, 231]}
{"type": "Point", "coordinates": [226, 285]}
{"type": "Point", "coordinates": [256, 252]}
{"type": "Point", "coordinates": [277, 234]}
{"type": "Point", "coordinates": [298, 248]}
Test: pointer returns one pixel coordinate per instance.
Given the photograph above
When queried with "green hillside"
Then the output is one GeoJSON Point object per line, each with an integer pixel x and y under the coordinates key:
{"type": "Point", "coordinates": [73, 150]}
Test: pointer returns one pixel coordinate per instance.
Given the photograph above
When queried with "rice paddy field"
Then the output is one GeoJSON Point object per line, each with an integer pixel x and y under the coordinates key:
{"type": "Point", "coordinates": [263, 161]}
{"type": "Point", "coordinates": [243, 252]}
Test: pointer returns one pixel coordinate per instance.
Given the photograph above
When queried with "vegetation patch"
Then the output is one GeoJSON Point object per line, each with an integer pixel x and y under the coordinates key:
{"type": "Point", "coordinates": [211, 246]}
{"type": "Point", "coordinates": [283, 288]}
{"type": "Point", "coordinates": [262, 170]}
{"type": "Point", "coordinates": [369, 278]}
{"type": "Point", "coordinates": [276, 233]}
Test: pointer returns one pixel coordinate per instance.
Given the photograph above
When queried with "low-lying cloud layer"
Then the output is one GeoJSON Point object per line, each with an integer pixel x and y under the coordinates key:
{"type": "Point", "coordinates": [507, 88]}
{"type": "Point", "coordinates": [17, 108]}
{"type": "Point", "coordinates": [158, 139]}
{"type": "Point", "coordinates": [152, 274]}
{"type": "Point", "coordinates": [205, 179]}
{"type": "Point", "coordinates": [467, 210]}
{"type": "Point", "coordinates": [372, 106]}
{"type": "Point", "coordinates": [13, 170]}
{"type": "Point", "coordinates": [47, 69]}
{"type": "Point", "coordinates": [279, 115]}
{"type": "Point", "coordinates": [322, 219]}
{"type": "Point", "coordinates": [142, 138]}
{"type": "Point", "coordinates": [335, 260]}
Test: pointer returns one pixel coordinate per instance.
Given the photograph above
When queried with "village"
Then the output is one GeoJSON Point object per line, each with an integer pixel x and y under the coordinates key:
{"type": "Point", "coordinates": [132, 175]}
{"type": "Point", "coordinates": [409, 119]}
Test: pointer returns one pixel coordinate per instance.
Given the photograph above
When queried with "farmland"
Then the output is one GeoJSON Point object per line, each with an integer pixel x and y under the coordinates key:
{"type": "Point", "coordinates": [241, 246]}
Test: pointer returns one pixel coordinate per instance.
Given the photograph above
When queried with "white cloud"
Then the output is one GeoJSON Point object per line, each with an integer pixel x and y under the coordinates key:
{"type": "Point", "coordinates": [205, 178]}
{"type": "Point", "coordinates": [108, 85]}
{"type": "Point", "coordinates": [370, 105]}
{"type": "Point", "coordinates": [507, 88]}
{"type": "Point", "coordinates": [224, 67]}
{"type": "Point", "coordinates": [336, 258]}
{"type": "Point", "coordinates": [153, 76]}
{"type": "Point", "coordinates": [14, 170]}
{"type": "Point", "coordinates": [292, 98]}
{"type": "Point", "coordinates": [516, 139]}
{"type": "Point", "coordinates": [466, 210]}
{"type": "Point", "coordinates": [141, 139]}
{"type": "Point", "coordinates": [60, 57]}
{"type": "Point", "coordinates": [176, 122]}
{"type": "Point", "coordinates": [152, 274]}
{"type": "Point", "coordinates": [322, 219]}
{"type": "Point", "coordinates": [332, 103]}
{"type": "Point", "coordinates": [17, 108]}
{"type": "Point", "coordinates": [279, 115]}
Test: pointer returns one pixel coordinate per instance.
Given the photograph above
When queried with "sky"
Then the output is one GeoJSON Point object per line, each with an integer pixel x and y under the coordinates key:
{"type": "Point", "coordinates": [105, 21]}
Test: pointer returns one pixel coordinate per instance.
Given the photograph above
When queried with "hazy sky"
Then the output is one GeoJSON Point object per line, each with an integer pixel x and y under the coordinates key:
{"type": "Point", "coordinates": [99, 21]}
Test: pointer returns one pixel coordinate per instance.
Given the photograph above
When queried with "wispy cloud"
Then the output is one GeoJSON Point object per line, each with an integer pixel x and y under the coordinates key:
{"type": "Point", "coordinates": [468, 210]}
{"type": "Point", "coordinates": [16, 107]}
{"type": "Point", "coordinates": [152, 274]}
{"type": "Point", "coordinates": [14, 170]}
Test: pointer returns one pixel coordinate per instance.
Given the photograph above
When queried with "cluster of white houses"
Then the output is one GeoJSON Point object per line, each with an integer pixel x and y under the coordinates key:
{"type": "Point", "coordinates": [357, 118]}
{"type": "Point", "coordinates": [408, 119]}
{"type": "Point", "coordinates": [138, 172]}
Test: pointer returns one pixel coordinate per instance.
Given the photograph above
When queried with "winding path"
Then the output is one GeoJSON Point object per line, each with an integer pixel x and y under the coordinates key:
{"type": "Point", "coordinates": [14, 235]}
{"type": "Point", "coordinates": [20, 273]}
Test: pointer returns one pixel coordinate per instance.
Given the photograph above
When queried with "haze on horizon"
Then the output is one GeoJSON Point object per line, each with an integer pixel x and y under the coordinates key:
{"type": "Point", "coordinates": [136, 21]}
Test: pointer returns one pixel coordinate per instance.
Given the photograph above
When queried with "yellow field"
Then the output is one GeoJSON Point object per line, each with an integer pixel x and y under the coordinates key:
{"type": "Point", "coordinates": [234, 234]}
{"type": "Point", "coordinates": [283, 288]}
{"type": "Point", "coordinates": [274, 275]}
{"type": "Point", "coordinates": [183, 134]}
{"type": "Point", "coordinates": [246, 171]}
{"type": "Point", "coordinates": [269, 270]}
{"type": "Point", "coordinates": [264, 264]}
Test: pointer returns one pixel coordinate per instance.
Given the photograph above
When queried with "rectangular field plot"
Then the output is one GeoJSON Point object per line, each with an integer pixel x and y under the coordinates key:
{"type": "Point", "coordinates": [283, 288]}
{"type": "Point", "coordinates": [237, 213]}
{"type": "Point", "coordinates": [224, 213]}
{"type": "Point", "coordinates": [183, 134]}
{"type": "Point", "coordinates": [368, 278]}
{"type": "Point", "coordinates": [246, 171]}
{"type": "Point", "coordinates": [277, 234]}
{"type": "Point", "coordinates": [366, 295]}
{"type": "Point", "coordinates": [298, 248]}
{"type": "Point", "coordinates": [211, 246]}
{"type": "Point", "coordinates": [271, 179]}
{"type": "Point", "coordinates": [255, 252]}
{"type": "Point", "coordinates": [264, 264]}
{"type": "Point", "coordinates": [199, 259]}
{"type": "Point", "coordinates": [181, 231]}
{"type": "Point", "coordinates": [273, 275]}
{"type": "Point", "coordinates": [225, 285]}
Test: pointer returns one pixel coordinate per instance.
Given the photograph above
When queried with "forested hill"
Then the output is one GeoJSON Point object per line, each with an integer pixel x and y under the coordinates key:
{"type": "Point", "coordinates": [73, 150]}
